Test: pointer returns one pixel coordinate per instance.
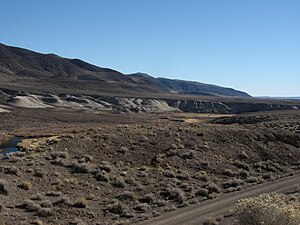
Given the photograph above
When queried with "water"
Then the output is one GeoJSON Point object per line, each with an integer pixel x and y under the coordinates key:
{"type": "Point", "coordinates": [10, 146]}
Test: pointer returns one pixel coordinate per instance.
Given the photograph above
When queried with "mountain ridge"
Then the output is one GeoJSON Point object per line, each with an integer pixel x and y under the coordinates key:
{"type": "Point", "coordinates": [25, 68]}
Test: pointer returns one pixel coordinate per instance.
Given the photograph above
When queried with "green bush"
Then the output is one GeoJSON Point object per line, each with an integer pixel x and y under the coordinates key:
{"type": "Point", "coordinates": [267, 209]}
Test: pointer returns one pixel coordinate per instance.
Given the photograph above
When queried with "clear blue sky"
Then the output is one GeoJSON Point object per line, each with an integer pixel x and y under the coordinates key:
{"type": "Point", "coordinates": [251, 45]}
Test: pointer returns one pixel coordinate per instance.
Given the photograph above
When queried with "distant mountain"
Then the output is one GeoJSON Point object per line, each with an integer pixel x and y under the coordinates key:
{"type": "Point", "coordinates": [278, 98]}
{"type": "Point", "coordinates": [27, 70]}
{"type": "Point", "coordinates": [197, 88]}
{"type": "Point", "coordinates": [193, 87]}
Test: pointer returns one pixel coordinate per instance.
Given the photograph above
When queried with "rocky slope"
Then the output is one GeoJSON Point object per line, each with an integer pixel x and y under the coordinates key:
{"type": "Point", "coordinates": [136, 104]}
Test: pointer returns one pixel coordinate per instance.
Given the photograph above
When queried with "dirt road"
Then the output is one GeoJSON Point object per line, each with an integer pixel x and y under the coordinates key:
{"type": "Point", "coordinates": [196, 214]}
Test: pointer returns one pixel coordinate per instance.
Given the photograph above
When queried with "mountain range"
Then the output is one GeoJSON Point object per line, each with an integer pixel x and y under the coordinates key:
{"type": "Point", "coordinates": [26, 70]}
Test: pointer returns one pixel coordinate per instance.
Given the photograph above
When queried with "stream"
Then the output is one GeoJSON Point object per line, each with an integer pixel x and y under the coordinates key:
{"type": "Point", "coordinates": [10, 146]}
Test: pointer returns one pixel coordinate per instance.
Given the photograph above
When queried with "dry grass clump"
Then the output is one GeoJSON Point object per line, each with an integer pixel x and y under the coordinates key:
{"type": "Point", "coordinates": [37, 222]}
{"type": "Point", "coordinates": [25, 185]}
{"type": "Point", "coordinates": [71, 180]}
{"type": "Point", "coordinates": [267, 209]}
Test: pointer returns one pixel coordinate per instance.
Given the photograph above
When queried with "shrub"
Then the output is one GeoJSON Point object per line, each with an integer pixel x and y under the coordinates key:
{"type": "Point", "coordinates": [53, 193]}
{"type": "Point", "coordinates": [102, 176]}
{"type": "Point", "coordinates": [232, 183]}
{"type": "Point", "coordinates": [64, 201]}
{"type": "Point", "coordinates": [204, 163]}
{"type": "Point", "coordinates": [171, 152]}
{"type": "Point", "coordinates": [106, 167]}
{"type": "Point", "coordinates": [169, 174]}
{"type": "Point", "coordinates": [81, 203]}
{"type": "Point", "coordinates": [244, 173]}
{"type": "Point", "coordinates": [267, 176]}
{"type": "Point", "coordinates": [122, 150]}
{"type": "Point", "coordinates": [243, 155]}
{"type": "Point", "coordinates": [202, 192]}
{"type": "Point", "coordinates": [46, 204]}
{"type": "Point", "coordinates": [116, 208]}
{"type": "Point", "coordinates": [3, 187]}
{"type": "Point", "coordinates": [126, 196]}
{"type": "Point", "coordinates": [12, 170]}
{"type": "Point", "coordinates": [149, 198]}
{"type": "Point", "coordinates": [242, 165]}
{"type": "Point", "coordinates": [267, 209]}
{"type": "Point", "coordinates": [252, 179]}
{"type": "Point", "coordinates": [44, 212]}
{"type": "Point", "coordinates": [213, 188]}
{"type": "Point", "coordinates": [119, 182]}
{"type": "Point", "coordinates": [29, 206]}
{"type": "Point", "coordinates": [173, 194]}
{"type": "Point", "coordinates": [37, 197]}
{"type": "Point", "coordinates": [141, 207]}
{"type": "Point", "coordinates": [202, 175]}
{"type": "Point", "coordinates": [80, 167]}
{"type": "Point", "coordinates": [189, 155]}
{"type": "Point", "coordinates": [210, 221]}
{"type": "Point", "coordinates": [39, 173]}
{"type": "Point", "coordinates": [229, 173]}
{"type": "Point", "coordinates": [60, 154]}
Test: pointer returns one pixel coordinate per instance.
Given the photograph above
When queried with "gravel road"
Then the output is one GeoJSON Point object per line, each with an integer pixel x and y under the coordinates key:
{"type": "Point", "coordinates": [196, 214]}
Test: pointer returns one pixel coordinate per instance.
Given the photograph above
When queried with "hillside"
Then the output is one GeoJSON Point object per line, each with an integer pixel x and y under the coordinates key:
{"type": "Point", "coordinates": [32, 71]}
{"type": "Point", "coordinates": [25, 70]}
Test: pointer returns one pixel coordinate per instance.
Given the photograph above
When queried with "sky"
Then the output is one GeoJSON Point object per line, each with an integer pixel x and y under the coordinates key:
{"type": "Point", "coordinates": [251, 45]}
